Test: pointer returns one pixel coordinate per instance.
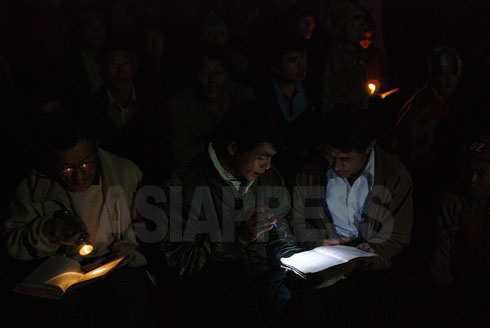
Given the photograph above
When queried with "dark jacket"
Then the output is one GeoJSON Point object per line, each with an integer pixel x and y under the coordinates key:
{"type": "Point", "coordinates": [388, 205]}
{"type": "Point", "coordinates": [298, 136]}
{"type": "Point", "coordinates": [201, 188]}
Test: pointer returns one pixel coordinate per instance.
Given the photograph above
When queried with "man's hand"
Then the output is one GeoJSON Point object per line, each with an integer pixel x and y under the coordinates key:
{"type": "Point", "coordinates": [262, 220]}
{"type": "Point", "coordinates": [366, 247]}
{"type": "Point", "coordinates": [65, 228]}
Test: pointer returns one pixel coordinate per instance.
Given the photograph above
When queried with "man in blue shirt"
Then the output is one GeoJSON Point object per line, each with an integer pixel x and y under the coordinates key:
{"type": "Point", "coordinates": [282, 92]}
{"type": "Point", "coordinates": [354, 194]}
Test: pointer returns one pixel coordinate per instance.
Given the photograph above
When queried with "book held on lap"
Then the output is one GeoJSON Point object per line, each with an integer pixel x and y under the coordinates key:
{"type": "Point", "coordinates": [327, 261]}
{"type": "Point", "coordinates": [55, 276]}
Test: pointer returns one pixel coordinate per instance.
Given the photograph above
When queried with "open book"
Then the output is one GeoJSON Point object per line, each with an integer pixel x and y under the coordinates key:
{"type": "Point", "coordinates": [58, 274]}
{"type": "Point", "coordinates": [328, 261]}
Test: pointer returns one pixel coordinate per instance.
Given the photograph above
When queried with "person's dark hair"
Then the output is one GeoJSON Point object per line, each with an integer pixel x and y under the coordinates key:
{"type": "Point", "coordinates": [113, 45]}
{"type": "Point", "coordinates": [347, 128]}
{"type": "Point", "coordinates": [247, 125]}
{"type": "Point", "coordinates": [281, 44]}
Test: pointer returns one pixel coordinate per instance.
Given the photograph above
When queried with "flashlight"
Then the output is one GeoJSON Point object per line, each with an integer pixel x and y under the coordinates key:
{"type": "Point", "coordinates": [84, 246]}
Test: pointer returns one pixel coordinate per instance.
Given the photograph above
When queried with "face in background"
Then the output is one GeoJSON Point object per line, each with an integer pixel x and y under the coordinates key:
{"type": "Point", "coordinates": [368, 39]}
{"type": "Point", "coordinates": [252, 164]}
{"type": "Point", "coordinates": [212, 77]}
{"type": "Point", "coordinates": [94, 32]}
{"type": "Point", "coordinates": [120, 69]}
{"type": "Point", "coordinates": [476, 178]}
{"type": "Point", "coordinates": [292, 66]}
{"type": "Point", "coordinates": [75, 168]}
{"type": "Point", "coordinates": [446, 84]}
{"type": "Point", "coordinates": [154, 42]}
{"type": "Point", "coordinates": [346, 164]}
{"type": "Point", "coordinates": [352, 30]}
{"type": "Point", "coordinates": [121, 17]}
{"type": "Point", "coordinates": [305, 26]}
{"type": "Point", "coordinates": [217, 37]}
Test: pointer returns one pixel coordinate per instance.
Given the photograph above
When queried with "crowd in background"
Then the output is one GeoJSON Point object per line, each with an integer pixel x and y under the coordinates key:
{"type": "Point", "coordinates": [156, 77]}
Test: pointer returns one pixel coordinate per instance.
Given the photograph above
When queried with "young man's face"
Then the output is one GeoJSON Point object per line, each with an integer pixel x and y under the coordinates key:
{"type": "Point", "coordinates": [292, 67]}
{"type": "Point", "coordinates": [212, 77]}
{"type": "Point", "coordinates": [446, 84]}
{"type": "Point", "coordinates": [476, 178]}
{"type": "Point", "coordinates": [306, 26]}
{"type": "Point", "coordinates": [352, 31]}
{"type": "Point", "coordinates": [346, 164]}
{"type": "Point", "coordinates": [250, 165]}
{"type": "Point", "coordinates": [120, 69]}
{"type": "Point", "coordinates": [75, 168]}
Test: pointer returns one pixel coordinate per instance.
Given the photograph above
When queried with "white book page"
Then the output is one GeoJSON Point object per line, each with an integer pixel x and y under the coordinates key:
{"type": "Point", "coordinates": [344, 253]}
{"type": "Point", "coordinates": [310, 261]}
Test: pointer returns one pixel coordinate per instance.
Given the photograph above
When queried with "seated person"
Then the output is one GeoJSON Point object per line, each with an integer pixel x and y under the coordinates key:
{"type": "Point", "coordinates": [345, 62]}
{"type": "Point", "coordinates": [282, 92]}
{"type": "Point", "coordinates": [80, 191]}
{"type": "Point", "coordinates": [461, 251]}
{"type": "Point", "coordinates": [354, 194]}
{"type": "Point", "coordinates": [230, 231]}
{"type": "Point", "coordinates": [131, 122]}
{"type": "Point", "coordinates": [355, 175]}
{"type": "Point", "coordinates": [196, 110]}
{"type": "Point", "coordinates": [459, 261]}
{"type": "Point", "coordinates": [418, 132]}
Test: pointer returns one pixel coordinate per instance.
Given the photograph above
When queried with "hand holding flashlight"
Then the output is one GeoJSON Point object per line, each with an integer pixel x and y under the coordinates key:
{"type": "Point", "coordinates": [68, 229]}
{"type": "Point", "coordinates": [262, 220]}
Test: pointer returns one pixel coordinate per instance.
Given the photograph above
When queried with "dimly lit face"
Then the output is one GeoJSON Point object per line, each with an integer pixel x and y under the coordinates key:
{"type": "Point", "coordinates": [212, 77]}
{"type": "Point", "coordinates": [306, 26]}
{"type": "Point", "coordinates": [367, 40]}
{"type": "Point", "coordinates": [250, 165]}
{"type": "Point", "coordinates": [446, 84]}
{"type": "Point", "coordinates": [154, 42]}
{"type": "Point", "coordinates": [476, 178]}
{"type": "Point", "coordinates": [75, 168]}
{"type": "Point", "coordinates": [292, 67]}
{"type": "Point", "coordinates": [94, 32]}
{"type": "Point", "coordinates": [120, 69]}
{"type": "Point", "coordinates": [352, 31]}
{"type": "Point", "coordinates": [217, 38]}
{"type": "Point", "coordinates": [346, 164]}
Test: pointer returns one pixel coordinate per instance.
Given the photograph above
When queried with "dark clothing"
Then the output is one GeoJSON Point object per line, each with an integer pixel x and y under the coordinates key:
{"type": "Point", "coordinates": [388, 207]}
{"type": "Point", "coordinates": [345, 77]}
{"type": "Point", "coordinates": [199, 178]}
{"type": "Point", "coordinates": [143, 139]}
{"type": "Point", "coordinates": [233, 284]}
{"type": "Point", "coordinates": [297, 135]}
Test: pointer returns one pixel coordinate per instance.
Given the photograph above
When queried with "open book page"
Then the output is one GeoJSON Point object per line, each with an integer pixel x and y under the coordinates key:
{"type": "Point", "coordinates": [102, 270]}
{"type": "Point", "coordinates": [65, 280]}
{"type": "Point", "coordinates": [343, 253]}
{"type": "Point", "coordinates": [323, 257]}
{"type": "Point", "coordinates": [52, 267]}
{"type": "Point", "coordinates": [310, 261]}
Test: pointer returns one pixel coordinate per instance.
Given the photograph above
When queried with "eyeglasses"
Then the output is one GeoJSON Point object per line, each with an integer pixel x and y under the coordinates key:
{"type": "Point", "coordinates": [83, 167]}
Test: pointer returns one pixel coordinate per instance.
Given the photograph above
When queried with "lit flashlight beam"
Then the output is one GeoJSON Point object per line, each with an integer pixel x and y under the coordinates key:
{"type": "Point", "coordinates": [387, 93]}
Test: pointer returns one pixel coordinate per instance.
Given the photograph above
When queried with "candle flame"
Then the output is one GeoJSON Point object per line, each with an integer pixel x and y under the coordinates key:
{"type": "Point", "coordinates": [372, 88]}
